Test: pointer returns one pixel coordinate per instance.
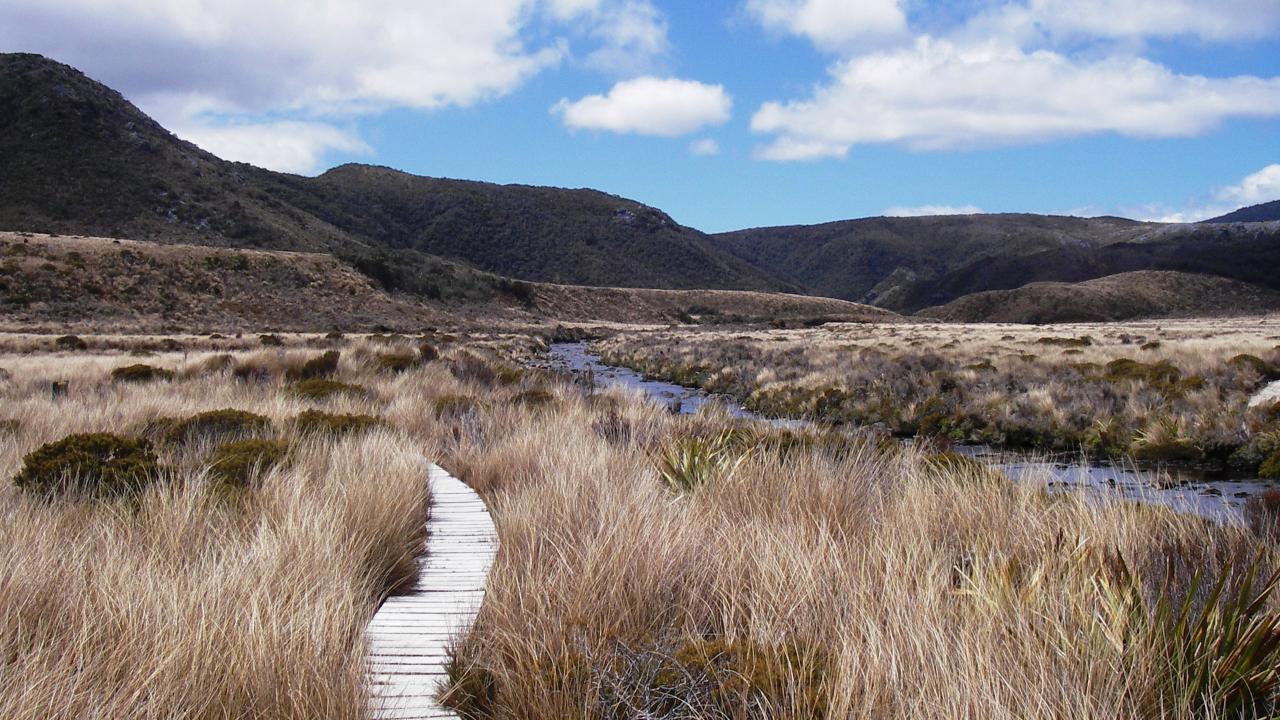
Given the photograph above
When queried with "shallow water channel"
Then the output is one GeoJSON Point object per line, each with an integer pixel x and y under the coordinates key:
{"type": "Point", "coordinates": [1186, 490]}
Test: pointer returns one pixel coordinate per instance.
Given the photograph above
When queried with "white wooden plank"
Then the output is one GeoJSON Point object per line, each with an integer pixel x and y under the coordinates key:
{"type": "Point", "coordinates": [410, 636]}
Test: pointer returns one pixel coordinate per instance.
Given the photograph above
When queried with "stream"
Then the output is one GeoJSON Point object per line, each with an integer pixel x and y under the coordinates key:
{"type": "Point", "coordinates": [1187, 490]}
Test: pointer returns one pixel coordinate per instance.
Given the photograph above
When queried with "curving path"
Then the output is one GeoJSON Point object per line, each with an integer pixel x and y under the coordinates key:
{"type": "Point", "coordinates": [409, 635]}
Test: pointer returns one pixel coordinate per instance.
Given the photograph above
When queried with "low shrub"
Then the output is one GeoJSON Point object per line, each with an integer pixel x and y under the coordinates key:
{"type": "Point", "coordinates": [140, 373]}
{"type": "Point", "coordinates": [95, 464]}
{"type": "Point", "coordinates": [237, 463]}
{"type": "Point", "coordinates": [271, 340]}
{"type": "Point", "coordinates": [10, 427]}
{"type": "Point", "coordinates": [314, 421]}
{"type": "Point", "coordinates": [218, 424]}
{"type": "Point", "coordinates": [1075, 342]}
{"type": "Point", "coordinates": [1270, 468]}
{"type": "Point", "coordinates": [1253, 363]}
{"type": "Point", "coordinates": [428, 352]}
{"type": "Point", "coordinates": [70, 342]}
{"type": "Point", "coordinates": [396, 362]}
{"type": "Point", "coordinates": [320, 389]}
{"type": "Point", "coordinates": [1161, 375]}
{"type": "Point", "coordinates": [322, 366]}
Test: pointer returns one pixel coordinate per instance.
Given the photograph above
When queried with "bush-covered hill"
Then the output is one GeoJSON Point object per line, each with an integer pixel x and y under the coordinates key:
{"type": "Point", "coordinates": [1143, 294]}
{"type": "Point", "coordinates": [906, 264]}
{"type": "Point", "coordinates": [1264, 212]}
{"type": "Point", "coordinates": [80, 159]}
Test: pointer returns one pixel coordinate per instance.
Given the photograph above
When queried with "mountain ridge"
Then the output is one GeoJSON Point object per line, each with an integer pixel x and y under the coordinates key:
{"type": "Point", "coordinates": [81, 159]}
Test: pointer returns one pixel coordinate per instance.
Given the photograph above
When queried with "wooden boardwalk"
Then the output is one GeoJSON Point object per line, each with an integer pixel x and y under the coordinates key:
{"type": "Point", "coordinates": [1267, 394]}
{"type": "Point", "coordinates": [409, 634]}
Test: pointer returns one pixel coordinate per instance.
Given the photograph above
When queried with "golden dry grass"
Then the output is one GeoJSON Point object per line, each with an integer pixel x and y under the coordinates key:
{"type": "Point", "coordinates": [863, 583]}
{"type": "Point", "coordinates": [824, 577]}
{"type": "Point", "coordinates": [189, 601]}
{"type": "Point", "coordinates": [1049, 388]}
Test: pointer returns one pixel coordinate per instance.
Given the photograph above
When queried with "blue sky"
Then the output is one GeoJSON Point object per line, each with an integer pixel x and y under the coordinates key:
{"type": "Point", "coordinates": [728, 114]}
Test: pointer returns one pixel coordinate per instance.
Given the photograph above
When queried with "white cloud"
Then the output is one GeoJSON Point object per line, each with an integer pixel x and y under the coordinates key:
{"type": "Point", "coordinates": [321, 57]}
{"type": "Point", "coordinates": [1215, 20]}
{"type": "Point", "coordinates": [287, 146]}
{"type": "Point", "coordinates": [666, 107]}
{"type": "Point", "coordinates": [940, 94]}
{"type": "Point", "coordinates": [631, 35]}
{"type": "Point", "coordinates": [214, 69]}
{"type": "Point", "coordinates": [925, 210]}
{"type": "Point", "coordinates": [832, 24]}
{"type": "Point", "coordinates": [704, 147]}
{"type": "Point", "coordinates": [1260, 187]}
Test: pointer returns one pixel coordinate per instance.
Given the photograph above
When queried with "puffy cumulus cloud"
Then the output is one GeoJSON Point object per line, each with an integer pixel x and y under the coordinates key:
{"type": "Point", "coordinates": [285, 145]}
{"type": "Point", "coordinates": [940, 94]}
{"type": "Point", "coordinates": [832, 24]}
{"type": "Point", "coordinates": [324, 56]}
{"type": "Point", "coordinates": [213, 69]}
{"type": "Point", "coordinates": [924, 210]}
{"type": "Point", "coordinates": [1260, 187]}
{"type": "Point", "coordinates": [665, 107]}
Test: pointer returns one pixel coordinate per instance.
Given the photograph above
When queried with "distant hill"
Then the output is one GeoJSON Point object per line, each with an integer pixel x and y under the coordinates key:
{"type": "Point", "coordinates": [76, 158]}
{"type": "Point", "coordinates": [906, 264]}
{"type": "Point", "coordinates": [1127, 296]}
{"type": "Point", "coordinates": [1264, 212]}
{"type": "Point", "coordinates": [80, 159]}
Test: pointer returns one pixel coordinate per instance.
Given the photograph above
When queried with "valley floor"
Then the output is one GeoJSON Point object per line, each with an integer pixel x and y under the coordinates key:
{"type": "Point", "coordinates": [651, 565]}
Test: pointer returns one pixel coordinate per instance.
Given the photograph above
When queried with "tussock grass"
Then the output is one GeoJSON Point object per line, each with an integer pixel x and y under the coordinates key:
{"type": "Point", "coordinates": [1183, 398]}
{"type": "Point", "coordinates": [190, 598]}
{"type": "Point", "coordinates": [811, 584]}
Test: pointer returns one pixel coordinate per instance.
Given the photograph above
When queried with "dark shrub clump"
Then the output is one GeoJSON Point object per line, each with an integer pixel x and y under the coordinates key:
{"type": "Point", "coordinates": [428, 352]}
{"type": "Point", "coordinates": [97, 464]}
{"type": "Point", "coordinates": [1255, 364]}
{"type": "Point", "coordinates": [319, 389]}
{"type": "Point", "coordinates": [323, 366]}
{"type": "Point", "coordinates": [236, 463]}
{"type": "Point", "coordinates": [396, 361]}
{"type": "Point", "coordinates": [1270, 469]}
{"type": "Point", "coordinates": [271, 340]}
{"type": "Point", "coordinates": [70, 342]}
{"type": "Point", "coordinates": [10, 427]}
{"type": "Point", "coordinates": [140, 373]}
{"type": "Point", "coordinates": [314, 421]}
{"type": "Point", "coordinates": [218, 423]}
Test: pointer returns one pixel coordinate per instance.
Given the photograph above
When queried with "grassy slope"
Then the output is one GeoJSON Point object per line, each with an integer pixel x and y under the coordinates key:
{"type": "Point", "coordinates": [80, 159]}
{"type": "Point", "coordinates": [1126, 296]}
{"type": "Point", "coordinates": [87, 284]}
{"type": "Point", "coordinates": [627, 305]}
